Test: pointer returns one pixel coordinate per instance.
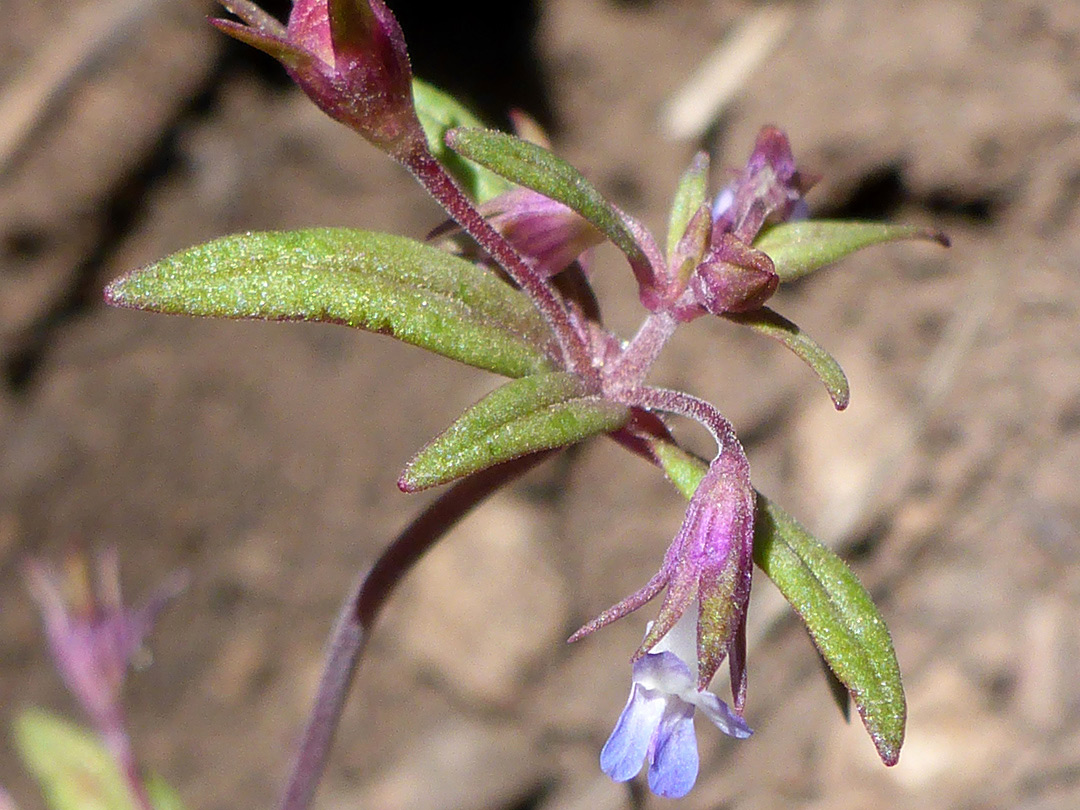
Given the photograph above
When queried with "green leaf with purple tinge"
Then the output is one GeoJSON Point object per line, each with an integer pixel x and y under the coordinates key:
{"type": "Point", "coordinates": [532, 166]}
{"type": "Point", "coordinates": [798, 248]}
{"type": "Point", "coordinates": [372, 281]}
{"type": "Point", "coordinates": [689, 197]}
{"type": "Point", "coordinates": [766, 322]}
{"type": "Point", "coordinates": [839, 614]}
{"type": "Point", "coordinates": [540, 412]}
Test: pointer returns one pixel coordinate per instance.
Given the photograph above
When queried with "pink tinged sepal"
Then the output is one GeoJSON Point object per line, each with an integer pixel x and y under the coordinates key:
{"type": "Point", "coordinates": [349, 57]}
{"type": "Point", "coordinates": [770, 188]}
{"type": "Point", "coordinates": [709, 564]}
{"type": "Point", "coordinates": [543, 230]}
{"type": "Point", "coordinates": [92, 636]}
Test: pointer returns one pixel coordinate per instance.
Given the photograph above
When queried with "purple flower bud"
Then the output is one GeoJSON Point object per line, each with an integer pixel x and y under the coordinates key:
{"type": "Point", "coordinates": [709, 564]}
{"type": "Point", "coordinates": [92, 637]}
{"type": "Point", "coordinates": [769, 187]}
{"type": "Point", "coordinates": [733, 277]}
{"type": "Point", "coordinates": [349, 57]}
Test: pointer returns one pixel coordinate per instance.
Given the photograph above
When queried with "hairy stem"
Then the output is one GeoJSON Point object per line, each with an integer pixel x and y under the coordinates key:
{"type": "Point", "coordinates": [438, 183]}
{"type": "Point", "coordinates": [361, 608]}
{"type": "Point", "coordinates": [663, 399]}
{"type": "Point", "coordinates": [632, 366]}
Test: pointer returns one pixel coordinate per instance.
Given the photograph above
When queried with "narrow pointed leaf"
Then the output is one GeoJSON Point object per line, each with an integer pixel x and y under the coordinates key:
{"type": "Point", "coordinates": [377, 282]}
{"type": "Point", "coordinates": [845, 625]}
{"type": "Point", "coordinates": [440, 112]}
{"type": "Point", "coordinates": [843, 622]}
{"type": "Point", "coordinates": [689, 197]}
{"type": "Point", "coordinates": [768, 323]}
{"type": "Point", "coordinates": [798, 248]}
{"type": "Point", "coordinates": [532, 166]}
{"type": "Point", "coordinates": [540, 412]}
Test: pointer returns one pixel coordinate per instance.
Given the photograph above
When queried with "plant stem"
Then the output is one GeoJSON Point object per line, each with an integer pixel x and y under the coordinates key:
{"type": "Point", "coordinates": [663, 399]}
{"type": "Point", "coordinates": [630, 369]}
{"type": "Point", "coordinates": [361, 608]}
{"type": "Point", "coordinates": [440, 185]}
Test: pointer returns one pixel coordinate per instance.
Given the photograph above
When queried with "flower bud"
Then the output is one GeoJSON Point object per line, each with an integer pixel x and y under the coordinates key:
{"type": "Point", "coordinates": [769, 187]}
{"type": "Point", "coordinates": [733, 277]}
{"type": "Point", "coordinates": [708, 565]}
{"type": "Point", "coordinates": [349, 57]}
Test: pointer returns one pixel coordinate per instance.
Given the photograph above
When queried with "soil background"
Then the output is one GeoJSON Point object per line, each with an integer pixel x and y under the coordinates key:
{"type": "Point", "coordinates": [262, 458]}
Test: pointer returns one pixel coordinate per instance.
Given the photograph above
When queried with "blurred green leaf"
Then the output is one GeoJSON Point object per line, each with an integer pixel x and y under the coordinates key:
{"type": "Point", "coordinates": [162, 796]}
{"type": "Point", "coordinates": [540, 412]}
{"type": "Point", "coordinates": [373, 281]}
{"type": "Point", "coordinates": [842, 620]}
{"type": "Point", "coordinates": [689, 197]}
{"type": "Point", "coordinates": [532, 166]}
{"type": "Point", "coordinates": [74, 770]}
{"type": "Point", "coordinates": [766, 322]}
{"type": "Point", "coordinates": [798, 248]}
{"type": "Point", "coordinates": [439, 112]}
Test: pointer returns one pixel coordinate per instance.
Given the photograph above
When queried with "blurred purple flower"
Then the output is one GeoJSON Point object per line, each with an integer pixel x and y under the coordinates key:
{"type": "Point", "coordinates": [543, 230]}
{"type": "Point", "coordinates": [657, 724]}
{"type": "Point", "coordinates": [91, 635]}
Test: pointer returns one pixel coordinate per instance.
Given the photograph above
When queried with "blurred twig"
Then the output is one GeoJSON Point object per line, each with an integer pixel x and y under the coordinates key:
{"type": "Point", "coordinates": [699, 102]}
{"type": "Point", "coordinates": [73, 50]}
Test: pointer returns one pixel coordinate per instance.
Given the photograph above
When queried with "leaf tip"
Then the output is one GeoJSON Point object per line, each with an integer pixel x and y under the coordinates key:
{"type": "Point", "coordinates": [940, 237]}
{"type": "Point", "coordinates": [452, 137]}
{"type": "Point", "coordinates": [889, 753]}
{"type": "Point", "coordinates": [406, 483]}
{"type": "Point", "coordinates": [115, 293]}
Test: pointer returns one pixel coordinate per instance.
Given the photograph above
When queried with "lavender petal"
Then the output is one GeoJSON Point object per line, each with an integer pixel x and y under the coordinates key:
{"type": "Point", "coordinates": [624, 753]}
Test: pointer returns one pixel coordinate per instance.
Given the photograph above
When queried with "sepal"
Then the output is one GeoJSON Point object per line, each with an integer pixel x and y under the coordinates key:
{"type": "Point", "coordinates": [689, 197]}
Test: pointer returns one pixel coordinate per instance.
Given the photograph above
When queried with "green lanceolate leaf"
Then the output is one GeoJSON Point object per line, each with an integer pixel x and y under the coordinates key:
{"type": "Point", "coordinates": [540, 412]}
{"type": "Point", "coordinates": [768, 323]}
{"type": "Point", "coordinates": [440, 112]}
{"type": "Point", "coordinates": [373, 281]}
{"type": "Point", "coordinates": [689, 197]}
{"type": "Point", "coordinates": [846, 627]}
{"type": "Point", "coordinates": [74, 770]}
{"type": "Point", "coordinates": [532, 166]}
{"type": "Point", "coordinates": [798, 248]}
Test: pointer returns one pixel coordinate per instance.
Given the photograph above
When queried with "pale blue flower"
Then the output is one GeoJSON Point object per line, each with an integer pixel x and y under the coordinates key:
{"type": "Point", "coordinates": [657, 724]}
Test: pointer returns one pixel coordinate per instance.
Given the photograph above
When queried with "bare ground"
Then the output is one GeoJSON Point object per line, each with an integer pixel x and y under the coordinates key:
{"type": "Point", "coordinates": [263, 457]}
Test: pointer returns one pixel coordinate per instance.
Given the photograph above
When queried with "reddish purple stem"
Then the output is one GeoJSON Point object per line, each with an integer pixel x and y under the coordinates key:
{"type": "Point", "coordinates": [663, 399]}
{"type": "Point", "coordinates": [361, 608]}
{"type": "Point", "coordinates": [438, 183]}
